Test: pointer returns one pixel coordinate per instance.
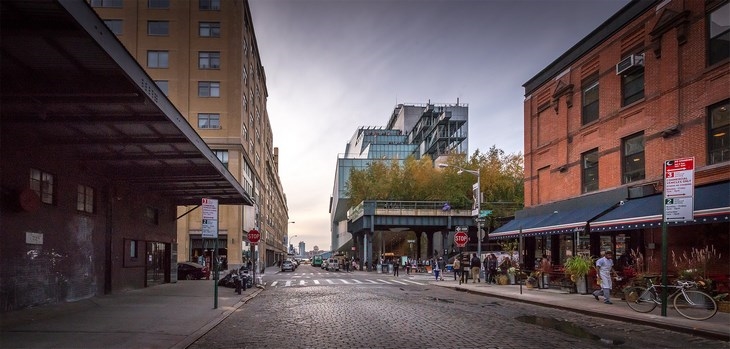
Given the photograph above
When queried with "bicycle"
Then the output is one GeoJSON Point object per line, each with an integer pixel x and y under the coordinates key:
{"type": "Point", "coordinates": [692, 304]}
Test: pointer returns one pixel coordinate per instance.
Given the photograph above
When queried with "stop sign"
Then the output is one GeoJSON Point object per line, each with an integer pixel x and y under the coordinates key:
{"type": "Point", "coordinates": [460, 238]}
{"type": "Point", "coordinates": [254, 236]}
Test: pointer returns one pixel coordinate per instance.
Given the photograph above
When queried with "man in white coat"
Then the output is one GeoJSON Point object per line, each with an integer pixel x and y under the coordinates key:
{"type": "Point", "coordinates": [605, 269]}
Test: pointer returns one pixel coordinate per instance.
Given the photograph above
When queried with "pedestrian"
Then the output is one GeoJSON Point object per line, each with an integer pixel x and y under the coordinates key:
{"type": "Point", "coordinates": [436, 271]}
{"type": "Point", "coordinates": [476, 264]}
{"type": "Point", "coordinates": [492, 268]}
{"type": "Point", "coordinates": [408, 267]}
{"type": "Point", "coordinates": [456, 268]}
{"type": "Point", "coordinates": [605, 270]}
{"type": "Point", "coordinates": [396, 265]}
{"type": "Point", "coordinates": [347, 266]}
{"type": "Point", "coordinates": [442, 266]}
{"type": "Point", "coordinates": [464, 268]}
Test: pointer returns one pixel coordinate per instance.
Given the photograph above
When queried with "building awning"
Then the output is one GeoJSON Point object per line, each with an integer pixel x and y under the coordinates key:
{"type": "Point", "coordinates": [560, 217]}
{"type": "Point", "coordinates": [558, 222]}
{"type": "Point", "coordinates": [712, 204]}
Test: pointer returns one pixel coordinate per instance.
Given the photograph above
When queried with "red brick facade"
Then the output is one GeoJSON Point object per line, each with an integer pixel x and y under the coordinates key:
{"type": "Point", "coordinates": [679, 86]}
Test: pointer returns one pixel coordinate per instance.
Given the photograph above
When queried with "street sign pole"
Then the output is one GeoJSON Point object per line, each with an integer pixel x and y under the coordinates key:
{"type": "Point", "coordinates": [210, 229]}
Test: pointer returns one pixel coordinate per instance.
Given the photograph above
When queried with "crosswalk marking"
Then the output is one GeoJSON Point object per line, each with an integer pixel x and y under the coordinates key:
{"type": "Point", "coordinates": [340, 281]}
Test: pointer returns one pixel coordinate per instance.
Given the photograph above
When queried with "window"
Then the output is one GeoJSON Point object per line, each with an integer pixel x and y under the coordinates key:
{"type": "Point", "coordinates": [163, 85]}
{"type": "Point", "coordinates": [85, 199]}
{"type": "Point", "coordinates": [209, 121]}
{"type": "Point", "coordinates": [209, 60]}
{"type": "Point", "coordinates": [633, 158]}
{"type": "Point", "coordinates": [132, 248]}
{"type": "Point", "coordinates": [209, 89]}
{"type": "Point", "coordinates": [152, 215]}
{"type": "Point", "coordinates": [590, 100]}
{"type": "Point", "coordinates": [222, 155]}
{"type": "Point", "coordinates": [719, 137]}
{"type": "Point", "coordinates": [42, 184]}
{"type": "Point", "coordinates": [719, 33]}
{"type": "Point", "coordinates": [158, 28]}
{"type": "Point", "coordinates": [589, 168]}
{"type": "Point", "coordinates": [210, 29]}
{"type": "Point", "coordinates": [115, 25]}
{"type": "Point", "coordinates": [632, 85]}
{"type": "Point", "coordinates": [158, 3]}
{"type": "Point", "coordinates": [106, 3]}
{"type": "Point", "coordinates": [209, 4]}
{"type": "Point", "coordinates": [157, 59]}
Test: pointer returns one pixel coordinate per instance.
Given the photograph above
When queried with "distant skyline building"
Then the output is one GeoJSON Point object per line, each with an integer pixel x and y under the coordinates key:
{"type": "Point", "coordinates": [302, 250]}
{"type": "Point", "coordinates": [417, 130]}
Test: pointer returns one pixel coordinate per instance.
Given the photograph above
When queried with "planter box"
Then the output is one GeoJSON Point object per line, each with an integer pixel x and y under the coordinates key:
{"type": "Point", "coordinates": [723, 306]}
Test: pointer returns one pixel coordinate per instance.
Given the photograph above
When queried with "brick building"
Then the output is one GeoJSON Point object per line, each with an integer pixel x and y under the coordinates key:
{"type": "Point", "coordinates": [650, 84]}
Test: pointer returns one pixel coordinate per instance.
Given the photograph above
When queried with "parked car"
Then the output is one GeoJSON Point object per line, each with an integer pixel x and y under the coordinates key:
{"type": "Point", "coordinates": [287, 265]}
{"type": "Point", "coordinates": [333, 265]}
{"type": "Point", "coordinates": [191, 271]}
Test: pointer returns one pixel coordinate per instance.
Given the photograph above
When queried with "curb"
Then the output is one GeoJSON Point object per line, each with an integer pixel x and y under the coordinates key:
{"type": "Point", "coordinates": [192, 338]}
{"type": "Point", "coordinates": [684, 329]}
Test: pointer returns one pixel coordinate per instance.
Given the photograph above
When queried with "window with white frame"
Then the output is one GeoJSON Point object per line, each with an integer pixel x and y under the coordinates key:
{"type": "Point", "coordinates": [633, 158]}
{"type": "Point", "coordinates": [209, 120]}
{"type": "Point", "coordinates": [718, 139]}
{"type": "Point", "coordinates": [589, 99]}
{"type": "Point", "coordinates": [209, 60]}
{"type": "Point", "coordinates": [222, 155]}
{"type": "Point", "coordinates": [42, 184]}
{"type": "Point", "coordinates": [209, 89]}
{"type": "Point", "coordinates": [719, 34]}
{"type": "Point", "coordinates": [632, 85]}
{"type": "Point", "coordinates": [157, 59]}
{"type": "Point", "coordinates": [163, 85]}
{"type": "Point", "coordinates": [85, 199]}
{"type": "Point", "coordinates": [158, 28]}
{"type": "Point", "coordinates": [209, 29]}
{"type": "Point", "coordinates": [161, 4]}
{"type": "Point", "coordinates": [209, 5]}
{"type": "Point", "coordinates": [106, 3]}
{"type": "Point", "coordinates": [115, 25]}
{"type": "Point", "coordinates": [589, 169]}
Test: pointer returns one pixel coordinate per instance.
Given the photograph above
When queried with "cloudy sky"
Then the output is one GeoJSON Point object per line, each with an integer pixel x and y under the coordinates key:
{"type": "Point", "coordinates": [334, 65]}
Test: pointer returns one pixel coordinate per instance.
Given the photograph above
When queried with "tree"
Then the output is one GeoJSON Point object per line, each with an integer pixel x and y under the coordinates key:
{"type": "Point", "coordinates": [417, 180]}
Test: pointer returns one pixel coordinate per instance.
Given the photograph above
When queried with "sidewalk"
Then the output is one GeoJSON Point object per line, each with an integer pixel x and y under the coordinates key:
{"type": "Point", "coordinates": [176, 315]}
{"type": "Point", "coordinates": [165, 316]}
{"type": "Point", "coordinates": [717, 327]}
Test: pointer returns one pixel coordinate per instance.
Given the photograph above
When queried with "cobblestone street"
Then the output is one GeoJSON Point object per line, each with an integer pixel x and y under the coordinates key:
{"type": "Point", "coordinates": [414, 316]}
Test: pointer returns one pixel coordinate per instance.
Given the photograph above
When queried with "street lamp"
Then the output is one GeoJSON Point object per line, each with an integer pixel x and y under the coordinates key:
{"type": "Point", "coordinates": [478, 202]}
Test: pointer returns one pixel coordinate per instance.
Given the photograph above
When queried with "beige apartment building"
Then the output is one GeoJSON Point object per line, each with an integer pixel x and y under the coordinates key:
{"type": "Point", "coordinates": [203, 55]}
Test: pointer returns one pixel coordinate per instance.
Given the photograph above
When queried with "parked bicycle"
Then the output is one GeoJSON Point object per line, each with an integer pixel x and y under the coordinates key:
{"type": "Point", "coordinates": [688, 302]}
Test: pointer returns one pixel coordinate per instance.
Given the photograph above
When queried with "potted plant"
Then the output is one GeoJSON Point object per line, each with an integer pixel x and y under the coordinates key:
{"type": "Point", "coordinates": [723, 304]}
{"type": "Point", "coordinates": [502, 279]}
{"type": "Point", "coordinates": [511, 272]}
{"type": "Point", "coordinates": [577, 267]}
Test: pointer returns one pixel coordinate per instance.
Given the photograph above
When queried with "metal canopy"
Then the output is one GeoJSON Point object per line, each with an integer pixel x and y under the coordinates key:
{"type": "Point", "coordinates": [67, 82]}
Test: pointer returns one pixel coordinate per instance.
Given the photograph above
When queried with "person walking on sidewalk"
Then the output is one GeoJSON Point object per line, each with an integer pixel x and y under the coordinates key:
{"type": "Point", "coordinates": [476, 264]}
{"type": "Point", "coordinates": [490, 267]}
{"type": "Point", "coordinates": [456, 267]}
{"type": "Point", "coordinates": [605, 269]}
{"type": "Point", "coordinates": [436, 271]}
{"type": "Point", "coordinates": [396, 264]}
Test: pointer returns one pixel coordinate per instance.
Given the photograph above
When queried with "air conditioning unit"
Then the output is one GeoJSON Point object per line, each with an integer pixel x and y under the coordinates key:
{"type": "Point", "coordinates": [632, 61]}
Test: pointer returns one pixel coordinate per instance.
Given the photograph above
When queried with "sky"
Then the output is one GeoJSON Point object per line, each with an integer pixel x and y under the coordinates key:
{"type": "Point", "coordinates": [335, 65]}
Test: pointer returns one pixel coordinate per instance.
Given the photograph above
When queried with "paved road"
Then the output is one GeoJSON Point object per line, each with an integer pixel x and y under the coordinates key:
{"type": "Point", "coordinates": [410, 313]}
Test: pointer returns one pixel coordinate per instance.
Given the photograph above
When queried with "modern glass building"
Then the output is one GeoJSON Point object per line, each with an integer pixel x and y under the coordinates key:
{"type": "Point", "coordinates": [417, 130]}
